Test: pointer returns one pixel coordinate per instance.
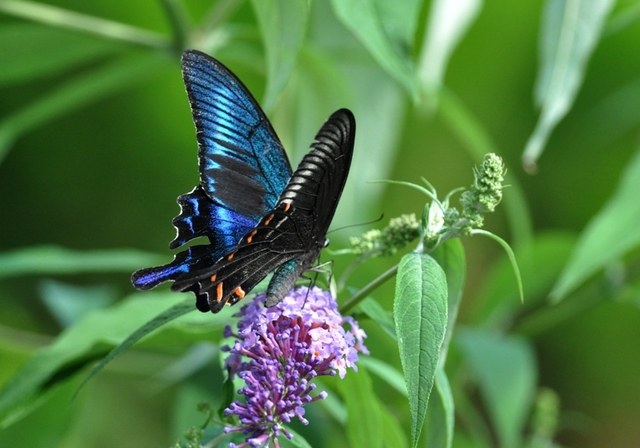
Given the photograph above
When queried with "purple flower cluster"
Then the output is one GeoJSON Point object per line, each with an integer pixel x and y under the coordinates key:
{"type": "Point", "coordinates": [278, 351]}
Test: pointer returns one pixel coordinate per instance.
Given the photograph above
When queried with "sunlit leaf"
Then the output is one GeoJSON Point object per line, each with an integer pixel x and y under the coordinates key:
{"type": "Point", "coordinates": [78, 92]}
{"type": "Point", "coordinates": [365, 19]}
{"type": "Point", "coordinates": [53, 260]}
{"type": "Point", "coordinates": [449, 21]}
{"type": "Point", "coordinates": [420, 313]}
{"type": "Point", "coordinates": [612, 233]}
{"type": "Point", "coordinates": [505, 369]}
{"type": "Point", "coordinates": [570, 32]}
{"type": "Point", "coordinates": [283, 25]}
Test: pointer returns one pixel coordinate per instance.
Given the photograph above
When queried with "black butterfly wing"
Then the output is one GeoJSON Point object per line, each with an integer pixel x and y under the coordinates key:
{"type": "Point", "coordinates": [243, 166]}
{"type": "Point", "coordinates": [243, 170]}
{"type": "Point", "coordinates": [289, 238]}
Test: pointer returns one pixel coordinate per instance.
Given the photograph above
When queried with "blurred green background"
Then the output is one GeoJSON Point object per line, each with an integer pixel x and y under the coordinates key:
{"type": "Point", "coordinates": [96, 142]}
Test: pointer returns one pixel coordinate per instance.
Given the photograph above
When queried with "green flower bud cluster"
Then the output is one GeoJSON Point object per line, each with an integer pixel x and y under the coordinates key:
{"type": "Point", "coordinates": [486, 192]}
{"type": "Point", "coordinates": [387, 241]}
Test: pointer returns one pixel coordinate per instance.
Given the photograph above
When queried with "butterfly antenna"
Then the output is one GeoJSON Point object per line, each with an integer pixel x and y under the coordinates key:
{"type": "Point", "coordinates": [357, 225]}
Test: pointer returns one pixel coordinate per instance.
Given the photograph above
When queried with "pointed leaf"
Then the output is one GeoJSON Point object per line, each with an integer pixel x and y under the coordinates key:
{"type": "Point", "coordinates": [53, 260]}
{"type": "Point", "coordinates": [570, 31]}
{"type": "Point", "coordinates": [505, 369]}
{"type": "Point", "coordinates": [283, 24]}
{"type": "Point", "coordinates": [420, 311]}
{"type": "Point", "coordinates": [449, 21]}
{"type": "Point", "coordinates": [366, 20]}
{"type": "Point", "coordinates": [611, 234]}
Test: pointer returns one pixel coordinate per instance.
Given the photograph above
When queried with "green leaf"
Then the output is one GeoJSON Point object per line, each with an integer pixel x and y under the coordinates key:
{"type": "Point", "coordinates": [283, 24]}
{"type": "Point", "coordinates": [440, 414]}
{"type": "Point", "coordinates": [79, 92]}
{"type": "Point", "coordinates": [369, 424]}
{"type": "Point", "coordinates": [153, 324]}
{"type": "Point", "coordinates": [448, 23]}
{"type": "Point", "coordinates": [570, 32]}
{"type": "Point", "coordinates": [53, 260]}
{"type": "Point", "coordinates": [45, 51]}
{"type": "Point", "coordinates": [420, 311]}
{"type": "Point", "coordinates": [611, 233]}
{"type": "Point", "coordinates": [505, 369]}
{"type": "Point", "coordinates": [364, 417]}
{"type": "Point", "coordinates": [379, 315]}
{"type": "Point", "coordinates": [392, 376]}
{"type": "Point", "coordinates": [374, 23]}
{"type": "Point", "coordinates": [298, 441]}
{"type": "Point", "coordinates": [89, 339]}
{"type": "Point", "coordinates": [68, 303]}
{"type": "Point", "coordinates": [450, 257]}
{"type": "Point", "coordinates": [64, 18]}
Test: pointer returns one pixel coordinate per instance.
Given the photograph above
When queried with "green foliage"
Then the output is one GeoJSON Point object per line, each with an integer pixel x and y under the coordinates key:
{"type": "Point", "coordinates": [95, 142]}
{"type": "Point", "coordinates": [420, 311]}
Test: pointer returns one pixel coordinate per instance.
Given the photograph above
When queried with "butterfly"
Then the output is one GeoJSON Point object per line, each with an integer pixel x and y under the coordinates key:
{"type": "Point", "coordinates": [258, 215]}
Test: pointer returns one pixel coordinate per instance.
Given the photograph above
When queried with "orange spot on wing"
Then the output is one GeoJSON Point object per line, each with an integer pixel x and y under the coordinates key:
{"type": "Point", "coordinates": [240, 292]}
{"type": "Point", "coordinates": [230, 256]}
{"type": "Point", "coordinates": [287, 206]}
{"type": "Point", "coordinates": [219, 292]}
{"type": "Point", "coordinates": [213, 278]}
{"type": "Point", "coordinates": [268, 220]}
{"type": "Point", "coordinates": [251, 235]}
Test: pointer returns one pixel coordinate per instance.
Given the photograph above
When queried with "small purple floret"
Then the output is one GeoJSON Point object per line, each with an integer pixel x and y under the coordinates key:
{"type": "Point", "coordinates": [278, 351]}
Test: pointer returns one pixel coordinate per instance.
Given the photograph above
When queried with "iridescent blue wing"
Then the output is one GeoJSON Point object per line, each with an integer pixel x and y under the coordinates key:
{"type": "Point", "coordinates": [243, 166]}
{"type": "Point", "coordinates": [243, 170]}
{"type": "Point", "coordinates": [289, 238]}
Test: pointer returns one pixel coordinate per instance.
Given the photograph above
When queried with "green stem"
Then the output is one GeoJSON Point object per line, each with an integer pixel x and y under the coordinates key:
{"type": "Point", "coordinates": [364, 292]}
{"type": "Point", "coordinates": [218, 14]}
{"type": "Point", "coordinates": [63, 18]}
{"type": "Point", "coordinates": [179, 22]}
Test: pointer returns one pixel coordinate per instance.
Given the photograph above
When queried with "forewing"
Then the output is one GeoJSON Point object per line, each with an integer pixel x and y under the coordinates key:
{"type": "Point", "coordinates": [243, 166]}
